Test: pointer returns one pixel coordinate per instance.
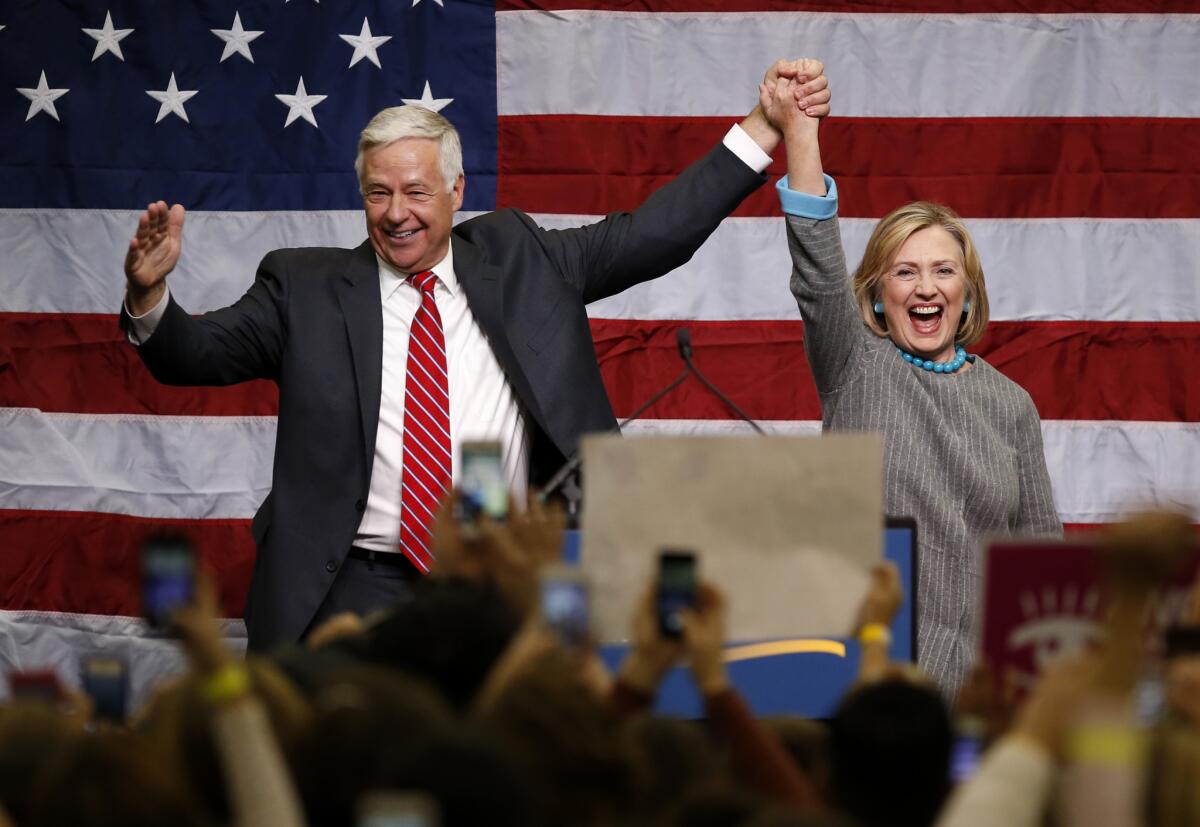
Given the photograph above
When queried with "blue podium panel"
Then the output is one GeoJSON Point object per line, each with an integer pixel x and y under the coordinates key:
{"type": "Point", "coordinates": [799, 676]}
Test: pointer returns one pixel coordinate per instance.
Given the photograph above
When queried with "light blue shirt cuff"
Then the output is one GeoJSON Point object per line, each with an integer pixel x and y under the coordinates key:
{"type": "Point", "coordinates": [805, 205]}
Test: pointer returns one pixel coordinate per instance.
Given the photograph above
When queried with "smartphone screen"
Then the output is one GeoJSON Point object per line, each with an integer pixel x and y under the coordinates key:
{"type": "Point", "coordinates": [106, 682]}
{"type": "Point", "coordinates": [397, 809]}
{"type": "Point", "coordinates": [676, 589]}
{"type": "Point", "coordinates": [964, 756]}
{"type": "Point", "coordinates": [564, 604]}
{"type": "Point", "coordinates": [168, 577]}
{"type": "Point", "coordinates": [1149, 698]}
{"type": "Point", "coordinates": [482, 486]}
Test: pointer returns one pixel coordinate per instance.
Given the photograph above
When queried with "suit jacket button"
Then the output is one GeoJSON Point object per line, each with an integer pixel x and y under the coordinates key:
{"type": "Point", "coordinates": [360, 506]}
{"type": "Point", "coordinates": [331, 566]}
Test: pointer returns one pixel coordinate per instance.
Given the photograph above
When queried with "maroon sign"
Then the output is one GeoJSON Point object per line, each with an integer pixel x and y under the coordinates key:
{"type": "Point", "coordinates": [1044, 599]}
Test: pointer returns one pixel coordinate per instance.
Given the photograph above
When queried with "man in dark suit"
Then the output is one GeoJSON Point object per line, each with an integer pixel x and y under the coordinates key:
{"type": "Point", "coordinates": [344, 335]}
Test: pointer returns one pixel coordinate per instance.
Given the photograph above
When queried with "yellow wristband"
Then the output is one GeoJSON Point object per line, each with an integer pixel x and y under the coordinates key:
{"type": "Point", "coordinates": [1114, 745]}
{"type": "Point", "coordinates": [875, 633]}
{"type": "Point", "coordinates": [230, 682]}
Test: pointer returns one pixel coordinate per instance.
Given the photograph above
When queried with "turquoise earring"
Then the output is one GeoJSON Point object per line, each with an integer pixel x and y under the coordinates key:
{"type": "Point", "coordinates": [878, 308]}
{"type": "Point", "coordinates": [966, 306]}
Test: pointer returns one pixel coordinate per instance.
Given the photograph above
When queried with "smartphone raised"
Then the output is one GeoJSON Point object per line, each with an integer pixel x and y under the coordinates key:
{"type": "Point", "coordinates": [563, 601]}
{"type": "Point", "coordinates": [168, 577]}
{"type": "Point", "coordinates": [676, 589]}
{"type": "Point", "coordinates": [967, 748]}
{"type": "Point", "coordinates": [482, 487]}
{"type": "Point", "coordinates": [106, 681]}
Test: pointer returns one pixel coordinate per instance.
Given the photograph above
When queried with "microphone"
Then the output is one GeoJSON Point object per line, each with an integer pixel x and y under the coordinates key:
{"type": "Point", "coordinates": [683, 338]}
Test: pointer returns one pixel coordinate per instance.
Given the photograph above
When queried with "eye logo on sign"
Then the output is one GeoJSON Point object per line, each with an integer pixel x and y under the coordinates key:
{"type": "Point", "coordinates": [1056, 622]}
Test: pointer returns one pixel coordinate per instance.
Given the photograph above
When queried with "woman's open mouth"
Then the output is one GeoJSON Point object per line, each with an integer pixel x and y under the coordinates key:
{"type": "Point", "coordinates": [925, 318]}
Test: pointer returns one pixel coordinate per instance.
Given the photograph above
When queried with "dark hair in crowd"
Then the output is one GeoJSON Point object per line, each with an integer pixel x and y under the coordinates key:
{"type": "Point", "coordinates": [889, 746]}
{"type": "Point", "coordinates": [111, 780]}
{"type": "Point", "coordinates": [367, 720]}
{"type": "Point", "coordinates": [449, 633]}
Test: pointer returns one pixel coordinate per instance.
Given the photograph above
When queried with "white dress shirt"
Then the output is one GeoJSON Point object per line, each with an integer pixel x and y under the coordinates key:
{"type": "Point", "coordinates": [482, 403]}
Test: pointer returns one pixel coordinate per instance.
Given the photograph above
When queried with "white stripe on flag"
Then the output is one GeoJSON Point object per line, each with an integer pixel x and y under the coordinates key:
{"type": "Point", "coordinates": [880, 65]}
{"type": "Point", "coordinates": [61, 640]}
{"type": "Point", "coordinates": [177, 467]}
{"type": "Point", "coordinates": [69, 261]}
{"type": "Point", "coordinates": [1037, 269]}
{"type": "Point", "coordinates": [155, 466]}
{"type": "Point", "coordinates": [1100, 470]}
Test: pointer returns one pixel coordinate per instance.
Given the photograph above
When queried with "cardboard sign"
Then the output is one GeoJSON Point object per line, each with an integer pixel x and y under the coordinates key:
{"type": "Point", "coordinates": [788, 527]}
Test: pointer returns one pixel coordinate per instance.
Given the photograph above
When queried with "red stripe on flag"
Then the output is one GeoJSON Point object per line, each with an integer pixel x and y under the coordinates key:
{"type": "Point", "coordinates": [1093, 370]}
{"type": "Point", "coordinates": [46, 552]}
{"type": "Point", "coordinates": [82, 363]}
{"type": "Point", "coordinates": [760, 364]}
{"type": "Point", "coordinates": [1073, 370]}
{"type": "Point", "coordinates": [71, 561]}
{"type": "Point", "coordinates": [983, 167]}
{"type": "Point", "coordinates": [1085, 530]}
{"type": "Point", "coordinates": [864, 6]}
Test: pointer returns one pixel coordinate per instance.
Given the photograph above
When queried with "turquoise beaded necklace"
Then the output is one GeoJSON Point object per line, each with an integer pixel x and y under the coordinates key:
{"type": "Point", "coordinates": [960, 358]}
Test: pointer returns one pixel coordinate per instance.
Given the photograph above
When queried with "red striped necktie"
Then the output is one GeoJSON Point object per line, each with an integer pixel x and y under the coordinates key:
{"type": "Point", "coordinates": [425, 476]}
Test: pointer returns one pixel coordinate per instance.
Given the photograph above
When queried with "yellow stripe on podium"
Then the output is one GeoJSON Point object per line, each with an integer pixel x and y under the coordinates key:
{"type": "Point", "coordinates": [798, 646]}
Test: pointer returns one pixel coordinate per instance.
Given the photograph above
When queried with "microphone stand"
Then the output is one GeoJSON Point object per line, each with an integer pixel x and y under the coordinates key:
{"type": "Point", "coordinates": [565, 478]}
{"type": "Point", "coordinates": [683, 338]}
{"type": "Point", "coordinates": [562, 477]}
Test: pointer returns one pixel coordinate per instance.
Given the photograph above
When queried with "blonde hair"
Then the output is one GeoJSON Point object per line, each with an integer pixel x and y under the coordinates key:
{"type": "Point", "coordinates": [886, 240]}
{"type": "Point", "coordinates": [411, 121]}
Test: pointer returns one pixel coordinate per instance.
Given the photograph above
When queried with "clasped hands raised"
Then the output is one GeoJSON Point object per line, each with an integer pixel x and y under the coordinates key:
{"type": "Point", "coordinates": [794, 94]}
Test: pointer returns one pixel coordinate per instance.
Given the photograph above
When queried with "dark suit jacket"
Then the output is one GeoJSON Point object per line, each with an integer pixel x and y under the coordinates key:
{"type": "Point", "coordinates": [312, 322]}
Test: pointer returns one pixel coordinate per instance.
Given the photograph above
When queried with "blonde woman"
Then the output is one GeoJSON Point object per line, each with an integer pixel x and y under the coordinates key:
{"type": "Point", "coordinates": [889, 351]}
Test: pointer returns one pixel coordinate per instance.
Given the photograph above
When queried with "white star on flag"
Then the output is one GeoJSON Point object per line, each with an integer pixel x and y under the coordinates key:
{"type": "Point", "coordinates": [42, 98]}
{"type": "Point", "coordinates": [429, 101]}
{"type": "Point", "coordinates": [439, 2]}
{"type": "Point", "coordinates": [365, 45]}
{"type": "Point", "coordinates": [300, 105]}
{"type": "Point", "coordinates": [172, 100]}
{"type": "Point", "coordinates": [108, 39]}
{"type": "Point", "coordinates": [237, 40]}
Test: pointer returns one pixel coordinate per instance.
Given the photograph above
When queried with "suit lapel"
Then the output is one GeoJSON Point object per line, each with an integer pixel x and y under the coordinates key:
{"type": "Point", "coordinates": [362, 310]}
{"type": "Point", "coordinates": [484, 286]}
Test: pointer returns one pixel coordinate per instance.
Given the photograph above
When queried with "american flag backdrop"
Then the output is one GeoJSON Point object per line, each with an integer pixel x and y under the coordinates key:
{"type": "Point", "coordinates": [1066, 132]}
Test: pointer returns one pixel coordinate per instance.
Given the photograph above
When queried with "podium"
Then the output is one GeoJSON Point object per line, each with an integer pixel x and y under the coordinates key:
{"type": "Point", "coordinates": [796, 676]}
